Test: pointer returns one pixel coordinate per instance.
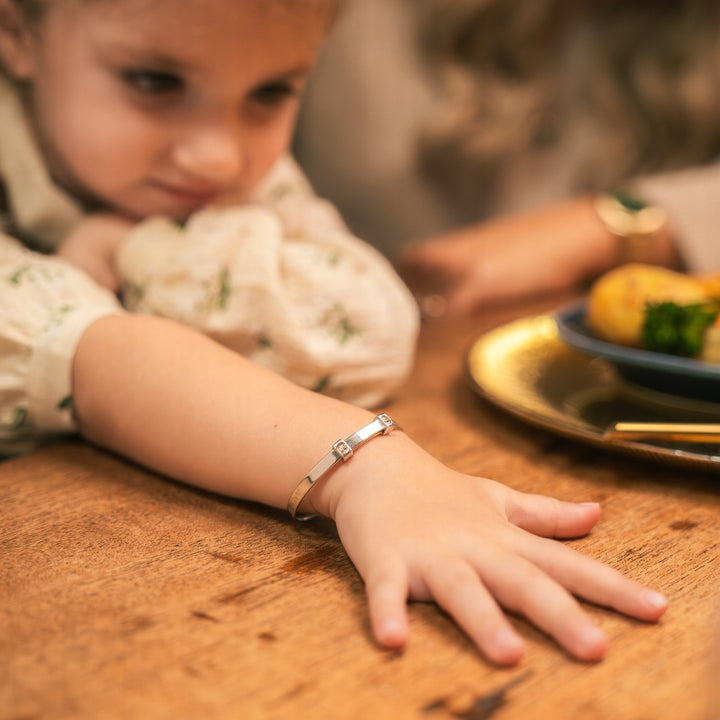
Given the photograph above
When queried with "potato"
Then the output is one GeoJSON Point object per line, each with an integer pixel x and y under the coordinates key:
{"type": "Point", "coordinates": [616, 305]}
{"type": "Point", "coordinates": [711, 283]}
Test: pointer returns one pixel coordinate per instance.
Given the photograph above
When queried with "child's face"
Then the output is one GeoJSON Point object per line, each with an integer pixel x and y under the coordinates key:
{"type": "Point", "coordinates": [163, 106]}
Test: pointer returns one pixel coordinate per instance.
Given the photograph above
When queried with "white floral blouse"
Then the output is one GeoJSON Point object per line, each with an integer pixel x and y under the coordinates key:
{"type": "Point", "coordinates": [279, 279]}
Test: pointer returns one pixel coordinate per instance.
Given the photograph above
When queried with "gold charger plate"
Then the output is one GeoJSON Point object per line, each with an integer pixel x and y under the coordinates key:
{"type": "Point", "coordinates": [526, 369]}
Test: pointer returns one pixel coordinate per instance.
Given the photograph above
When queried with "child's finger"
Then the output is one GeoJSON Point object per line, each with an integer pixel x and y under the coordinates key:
{"type": "Point", "coordinates": [456, 587]}
{"type": "Point", "coordinates": [593, 580]}
{"type": "Point", "coordinates": [387, 593]}
{"type": "Point", "coordinates": [522, 587]}
{"type": "Point", "coordinates": [552, 518]}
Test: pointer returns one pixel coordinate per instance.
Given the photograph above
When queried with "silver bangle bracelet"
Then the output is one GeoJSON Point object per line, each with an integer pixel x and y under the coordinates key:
{"type": "Point", "coordinates": [341, 451]}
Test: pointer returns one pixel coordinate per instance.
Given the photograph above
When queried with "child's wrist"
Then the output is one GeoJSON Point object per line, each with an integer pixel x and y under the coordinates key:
{"type": "Point", "coordinates": [302, 505]}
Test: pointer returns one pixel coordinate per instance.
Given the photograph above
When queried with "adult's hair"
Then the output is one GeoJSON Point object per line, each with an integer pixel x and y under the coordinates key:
{"type": "Point", "coordinates": [518, 75]}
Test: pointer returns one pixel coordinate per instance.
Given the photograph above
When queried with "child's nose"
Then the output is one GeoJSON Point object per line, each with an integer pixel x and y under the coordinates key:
{"type": "Point", "coordinates": [211, 155]}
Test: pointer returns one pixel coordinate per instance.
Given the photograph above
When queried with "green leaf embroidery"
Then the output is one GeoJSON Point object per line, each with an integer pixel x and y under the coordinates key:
{"type": "Point", "coordinates": [346, 330]}
{"type": "Point", "coordinates": [133, 294]}
{"type": "Point", "coordinates": [322, 384]}
{"type": "Point", "coordinates": [225, 289]}
{"type": "Point", "coordinates": [20, 418]}
{"type": "Point", "coordinates": [66, 403]}
{"type": "Point", "coordinates": [338, 324]}
{"type": "Point", "coordinates": [217, 292]}
{"type": "Point", "coordinates": [16, 277]}
{"type": "Point", "coordinates": [283, 190]}
{"type": "Point", "coordinates": [57, 317]}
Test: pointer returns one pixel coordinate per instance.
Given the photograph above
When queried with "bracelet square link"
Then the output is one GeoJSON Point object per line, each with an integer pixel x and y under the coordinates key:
{"type": "Point", "coordinates": [342, 450]}
{"type": "Point", "coordinates": [386, 420]}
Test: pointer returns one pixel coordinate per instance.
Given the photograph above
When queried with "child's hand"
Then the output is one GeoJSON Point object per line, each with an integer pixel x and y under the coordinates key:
{"type": "Point", "coordinates": [92, 244]}
{"type": "Point", "coordinates": [417, 530]}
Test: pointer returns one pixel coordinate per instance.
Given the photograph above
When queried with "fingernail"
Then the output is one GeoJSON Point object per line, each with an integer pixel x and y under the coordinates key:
{"type": "Point", "coordinates": [593, 639]}
{"type": "Point", "coordinates": [392, 632]}
{"type": "Point", "coordinates": [655, 599]}
{"type": "Point", "coordinates": [507, 639]}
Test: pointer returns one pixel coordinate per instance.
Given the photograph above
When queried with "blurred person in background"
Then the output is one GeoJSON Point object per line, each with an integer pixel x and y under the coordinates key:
{"type": "Point", "coordinates": [499, 148]}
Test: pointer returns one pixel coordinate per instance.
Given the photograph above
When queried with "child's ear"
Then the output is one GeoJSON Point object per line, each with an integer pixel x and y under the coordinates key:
{"type": "Point", "coordinates": [16, 53]}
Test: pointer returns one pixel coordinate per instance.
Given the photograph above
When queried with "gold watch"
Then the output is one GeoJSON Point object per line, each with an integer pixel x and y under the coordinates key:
{"type": "Point", "coordinates": [635, 223]}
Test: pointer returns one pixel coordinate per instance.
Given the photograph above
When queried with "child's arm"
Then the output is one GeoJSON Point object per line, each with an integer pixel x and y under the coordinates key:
{"type": "Point", "coordinates": [177, 402]}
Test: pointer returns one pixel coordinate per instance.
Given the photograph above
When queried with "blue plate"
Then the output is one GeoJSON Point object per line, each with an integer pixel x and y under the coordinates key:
{"type": "Point", "coordinates": [667, 373]}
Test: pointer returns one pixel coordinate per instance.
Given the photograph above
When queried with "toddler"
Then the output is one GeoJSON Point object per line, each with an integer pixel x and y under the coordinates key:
{"type": "Point", "coordinates": [124, 112]}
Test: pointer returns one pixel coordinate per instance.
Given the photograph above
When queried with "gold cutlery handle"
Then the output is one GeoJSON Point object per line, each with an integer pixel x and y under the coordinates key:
{"type": "Point", "coordinates": [681, 432]}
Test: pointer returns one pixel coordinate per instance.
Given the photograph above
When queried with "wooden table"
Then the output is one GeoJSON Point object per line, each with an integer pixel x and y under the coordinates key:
{"type": "Point", "coordinates": [125, 595]}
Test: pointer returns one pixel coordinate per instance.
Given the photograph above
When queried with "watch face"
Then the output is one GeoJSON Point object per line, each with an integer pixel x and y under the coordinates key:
{"type": "Point", "coordinates": [629, 217]}
{"type": "Point", "coordinates": [629, 200]}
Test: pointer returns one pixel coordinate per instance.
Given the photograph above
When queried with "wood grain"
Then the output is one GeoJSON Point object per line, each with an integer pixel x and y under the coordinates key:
{"type": "Point", "coordinates": [126, 595]}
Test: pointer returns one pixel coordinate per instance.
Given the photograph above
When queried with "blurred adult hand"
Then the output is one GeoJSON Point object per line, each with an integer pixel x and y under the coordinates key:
{"type": "Point", "coordinates": [546, 250]}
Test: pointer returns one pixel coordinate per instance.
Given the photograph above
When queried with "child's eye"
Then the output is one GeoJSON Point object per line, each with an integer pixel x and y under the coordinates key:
{"type": "Point", "coordinates": [273, 93]}
{"type": "Point", "coordinates": [152, 82]}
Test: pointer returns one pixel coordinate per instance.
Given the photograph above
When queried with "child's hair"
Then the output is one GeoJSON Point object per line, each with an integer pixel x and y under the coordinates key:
{"type": "Point", "coordinates": [648, 74]}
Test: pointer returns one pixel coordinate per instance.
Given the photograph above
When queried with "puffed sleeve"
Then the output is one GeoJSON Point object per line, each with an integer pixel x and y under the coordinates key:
{"type": "Point", "coordinates": [46, 305]}
{"type": "Point", "coordinates": [691, 199]}
{"type": "Point", "coordinates": [283, 282]}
